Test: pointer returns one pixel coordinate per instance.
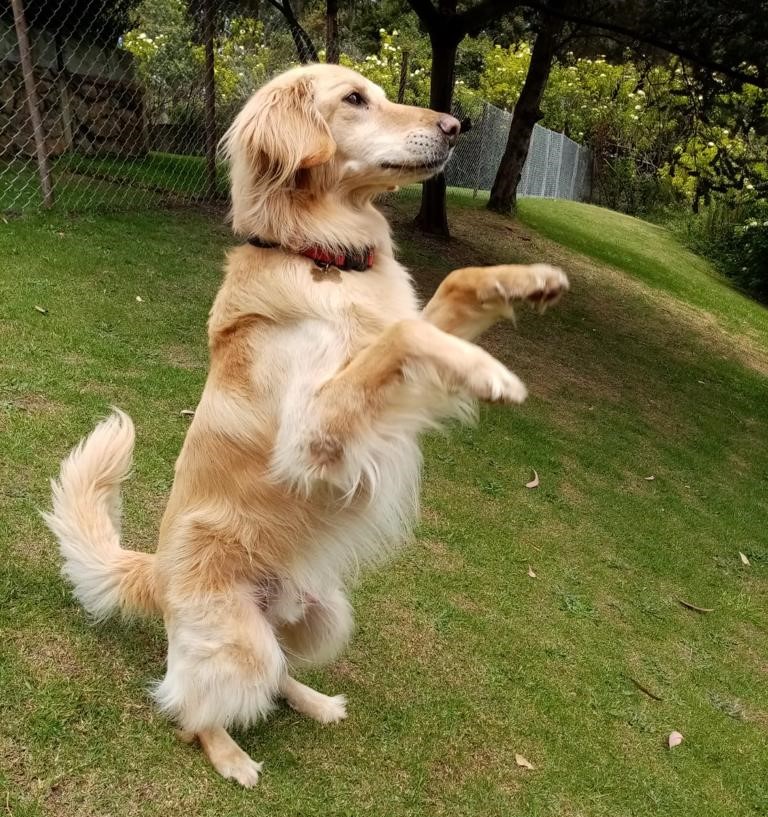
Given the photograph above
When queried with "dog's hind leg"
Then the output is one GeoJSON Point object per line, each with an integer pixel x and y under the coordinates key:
{"type": "Point", "coordinates": [313, 704]}
{"type": "Point", "coordinates": [320, 633]}
{"type": "Point", "coordinates": [225, 666]}
{"type": "Point", "coordinates": [313, 639]}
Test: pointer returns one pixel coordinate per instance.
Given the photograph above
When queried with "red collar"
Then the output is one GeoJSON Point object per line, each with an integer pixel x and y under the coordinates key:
{"type": "Point", "coordinates": [357, 260]}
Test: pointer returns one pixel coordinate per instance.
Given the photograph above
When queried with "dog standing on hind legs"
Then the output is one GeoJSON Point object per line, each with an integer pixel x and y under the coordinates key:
{"type": "Point", "coordinates": [302, 462]}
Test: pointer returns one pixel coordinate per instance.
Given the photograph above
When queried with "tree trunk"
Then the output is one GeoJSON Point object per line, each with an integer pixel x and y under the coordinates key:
{"type": "Point", "coordinates": [332, 31]}
{"type": "Point", "coordinates": [63, 90]}
{"type": "Point", "coordinates": [210, 102]}
{"type": "Point", "coordinates": [305, 48]}
{"type": "Point", "coordinates": [303, 42]}
{"type": "Point", "coordinates": [526, 114]}
{"type": "Point", "coordinates": [33, 103]}
{"type": "Point", "coordinates": [403, 76]}
{"type": "Point", "coordinates": [433, 215]}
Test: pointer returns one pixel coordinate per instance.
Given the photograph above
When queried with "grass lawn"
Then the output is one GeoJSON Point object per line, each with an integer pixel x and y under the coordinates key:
{"type": "Point", "coordinates": [93, 184]}
{"type": "Point", "coordinates": [650, 367]}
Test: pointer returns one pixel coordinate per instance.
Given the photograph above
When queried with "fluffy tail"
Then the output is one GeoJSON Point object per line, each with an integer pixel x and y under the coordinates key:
{"type": "Point", "coordinates": [86, 521]}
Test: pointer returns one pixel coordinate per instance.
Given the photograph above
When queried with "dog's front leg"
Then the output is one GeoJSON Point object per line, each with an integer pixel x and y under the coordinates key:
{"type": "Point", "coordinates": [472, 299]}
{"type": "Point", "coordinates": [393, 387]}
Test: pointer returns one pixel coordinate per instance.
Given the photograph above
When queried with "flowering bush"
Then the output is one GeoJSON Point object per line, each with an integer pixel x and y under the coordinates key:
{"type": "Point", "coordinates": [383, 68]}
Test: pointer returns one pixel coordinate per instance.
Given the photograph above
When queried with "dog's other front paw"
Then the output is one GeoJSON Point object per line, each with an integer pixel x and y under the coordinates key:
{"type": "Point", "coordinates": [492, 382]}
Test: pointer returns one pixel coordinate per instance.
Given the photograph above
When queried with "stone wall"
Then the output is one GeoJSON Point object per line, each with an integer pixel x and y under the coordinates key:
{"type": "Point", "coordinates": [89, 100]}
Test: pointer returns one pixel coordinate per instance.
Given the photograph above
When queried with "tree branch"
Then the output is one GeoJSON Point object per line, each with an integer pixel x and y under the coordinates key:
{"type": "Point", "coordinates": [426, 12]}
{"type": "Point", "coordinates": [651, 39]}
{"type": "Point", "coordinates": [477, 17]}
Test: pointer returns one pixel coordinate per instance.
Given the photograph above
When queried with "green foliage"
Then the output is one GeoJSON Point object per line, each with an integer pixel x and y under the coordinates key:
{"type": "Point", "coordinates": [734, 235]}
{"type": "Point", "coordinates": [746, 252]}
{"type": "Point", "coordinates": [170, 61]}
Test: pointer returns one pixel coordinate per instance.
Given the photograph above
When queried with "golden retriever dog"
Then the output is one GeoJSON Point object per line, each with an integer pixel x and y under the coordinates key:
{"type": "Point", "coordinates": [302, 462]}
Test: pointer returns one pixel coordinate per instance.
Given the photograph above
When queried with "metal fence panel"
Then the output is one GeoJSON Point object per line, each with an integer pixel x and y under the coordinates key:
{"type": "Point", "coordinates": [556, 167]}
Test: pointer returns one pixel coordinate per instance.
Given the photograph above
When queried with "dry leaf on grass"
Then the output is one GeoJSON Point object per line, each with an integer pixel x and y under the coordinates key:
{"type": "Point", "coordinates": [649, 478]}
{"type": "Point", "coordinates": [696, 607]}
{"type": "Point", "coordinates": [674, 739]}
{"type": "Point", "coordinates": [744, 559]}
{"type": "Point", "coordinates": [531, 573]}
{"type": "Point", "coordinates": [41, 309]}
{"type": "Point", "coordinates": [139, 299]}
{"type": "Point", "coordinates": [526, 764]}
{"type": "Point", "coordinates": [534, 483]}
{"type": "Point", "coordinates": [187, 413]}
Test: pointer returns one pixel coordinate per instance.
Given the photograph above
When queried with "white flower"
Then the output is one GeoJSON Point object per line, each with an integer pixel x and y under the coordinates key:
{"type": "Point", "coordinates": [638, 107]}
{"type": "Point", "coordinates": [640, 92]}
{"type": "Point", "coordinates": [710, 144]}
{"type": "Point", "coordinates": [635, 117]}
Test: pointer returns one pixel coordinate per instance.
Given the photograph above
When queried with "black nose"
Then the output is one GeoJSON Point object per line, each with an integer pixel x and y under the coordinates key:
{"type": "Point", "coordinates": [450, 126]}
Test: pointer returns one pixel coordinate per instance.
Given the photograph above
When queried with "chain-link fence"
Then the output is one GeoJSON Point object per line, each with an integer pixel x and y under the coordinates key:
{"type": "Point", "coordinates": [100, 112]}
{"type": "Point", "coordinates": [556, 167]}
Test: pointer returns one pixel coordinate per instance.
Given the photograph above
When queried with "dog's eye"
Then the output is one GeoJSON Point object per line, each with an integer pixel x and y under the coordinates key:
{"type": "Point", "coordinates": [354, 98]}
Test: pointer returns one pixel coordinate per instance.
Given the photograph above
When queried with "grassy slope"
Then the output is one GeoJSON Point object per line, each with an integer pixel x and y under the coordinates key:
{"type": "Point", "coordinates": [460, 660]}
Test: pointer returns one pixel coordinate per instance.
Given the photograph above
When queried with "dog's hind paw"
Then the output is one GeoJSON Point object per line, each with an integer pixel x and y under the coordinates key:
{"type": "Point", "coordinates": [332, 710]}
{"type": "Point", "coordinates": [242, 770]}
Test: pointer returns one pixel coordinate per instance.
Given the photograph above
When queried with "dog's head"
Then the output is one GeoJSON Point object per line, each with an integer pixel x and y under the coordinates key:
{"type": "Point", "coordinates": [325, 127]}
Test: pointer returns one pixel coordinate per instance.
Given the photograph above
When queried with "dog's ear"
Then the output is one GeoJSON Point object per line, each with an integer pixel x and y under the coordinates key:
{"type": "Point", "coordinates": [280, 131]}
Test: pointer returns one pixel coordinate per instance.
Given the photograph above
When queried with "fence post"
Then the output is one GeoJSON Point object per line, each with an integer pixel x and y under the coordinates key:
{"type": "Point", "coordinates": [403, 76]}
{"type": "Point", "coordinates": [543, 189]}
{"type": "Point", "coordinates": [210, 101]}
{"type": "Point", "coordinates": [558, 178]}
{"type": "Point", "coordinates": [33, 103]}
{"type": "Point", "coordinates": [482, 147]}
{"type": "Point", "coordinates": [576, 163]}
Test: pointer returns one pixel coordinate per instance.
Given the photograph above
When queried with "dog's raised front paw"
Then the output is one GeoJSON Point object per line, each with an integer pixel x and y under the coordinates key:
{"type": "Point", "coordinates": [539, 284]}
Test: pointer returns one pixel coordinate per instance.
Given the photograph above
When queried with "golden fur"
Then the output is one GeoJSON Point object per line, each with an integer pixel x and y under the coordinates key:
{"type": "Point", "coordinates": [302, 461]}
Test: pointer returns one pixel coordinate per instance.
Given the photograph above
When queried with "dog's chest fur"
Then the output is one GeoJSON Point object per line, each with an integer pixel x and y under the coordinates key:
{"type": "Point", "coordinates": [277, 334]}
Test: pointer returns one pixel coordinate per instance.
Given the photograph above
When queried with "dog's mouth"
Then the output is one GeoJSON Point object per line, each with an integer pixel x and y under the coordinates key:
{"type": "Point", "coordinates": [421, 167]}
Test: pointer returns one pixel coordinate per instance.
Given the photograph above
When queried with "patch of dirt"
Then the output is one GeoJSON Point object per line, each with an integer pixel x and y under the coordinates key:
{"type": "Point", "coordinates": [33, 403]}
{"type": "Point", "coordinates": [463, 602]}
{"type": "Point", "coordinates": [442, 558]}
{"type": "Point", "coordinates": [48, 654]}
{"type": "Point", "coordinates": [465, 762]}
{"type": "Point", "coordinates": [603, 343]}
{"type": "Point", "coordinates": [504, 241]}
{"type": "Point", "coordinates": [184, 357]}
